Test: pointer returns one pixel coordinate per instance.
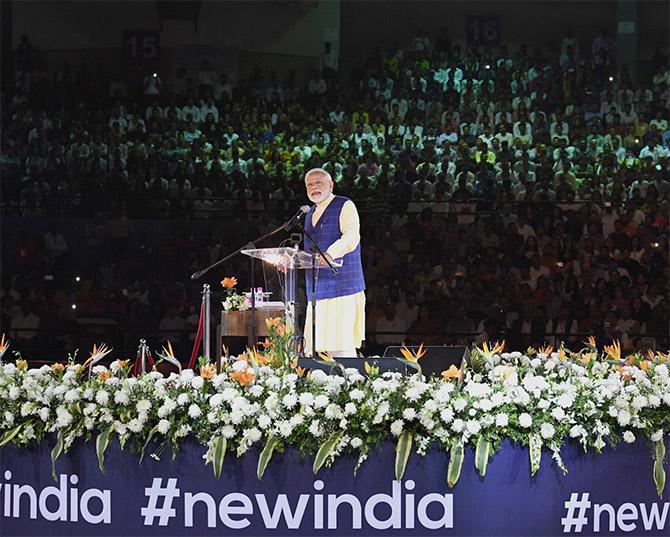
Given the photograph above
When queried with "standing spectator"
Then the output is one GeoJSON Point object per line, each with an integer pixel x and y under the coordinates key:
{"type": "Point", "coordinates": [151, 86]}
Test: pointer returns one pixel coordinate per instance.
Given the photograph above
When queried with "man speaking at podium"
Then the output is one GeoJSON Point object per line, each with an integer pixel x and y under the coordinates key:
{"type": "Point", "coordinates": [340, 298]}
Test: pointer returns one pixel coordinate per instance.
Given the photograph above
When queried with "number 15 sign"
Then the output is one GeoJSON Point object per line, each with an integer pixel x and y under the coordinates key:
{"type": "Point", "coordinates": [142, 46]}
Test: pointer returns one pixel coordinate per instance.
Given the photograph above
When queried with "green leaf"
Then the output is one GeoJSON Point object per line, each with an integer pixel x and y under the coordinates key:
{"type": "Point", "coordinates": [455, 464]}
{"type": "Point", "coordinates": [659, 471]}
{"type": "Point", "coordinates": [101, 444]}
{"type": "Point", "coordinates": [218, 454]}
{"type": "Point", "coordinates": [325, 450]}
{"type": "Point", "coordinates": [482, 454]}
{"type": "Point", "coordinates": [151, 434]}
{"type": "Point", "coordinates": [402, 452]}
{"type": "Point", "coordinates": [535, 452]}
{"type": "Point", "coordinates": [56, 452]}
{"type": "Point", "coordinates": [9, 435]}
{"type": "Point", "coordinates": [266, 455]}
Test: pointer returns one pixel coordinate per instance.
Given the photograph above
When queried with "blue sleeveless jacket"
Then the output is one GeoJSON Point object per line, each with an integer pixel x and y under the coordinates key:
{"type": "Point", "coordinates": [349, 279]}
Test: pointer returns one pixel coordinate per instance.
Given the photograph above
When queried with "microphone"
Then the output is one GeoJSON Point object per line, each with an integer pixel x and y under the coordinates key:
{"type": "Point", "coordinates": [296, 218]}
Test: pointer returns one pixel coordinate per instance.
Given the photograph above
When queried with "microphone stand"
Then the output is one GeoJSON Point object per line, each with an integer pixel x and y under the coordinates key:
{"type": "Point", "coordinates": [314, 249]}
{"type": "Point", "coordinates": [250, 245]}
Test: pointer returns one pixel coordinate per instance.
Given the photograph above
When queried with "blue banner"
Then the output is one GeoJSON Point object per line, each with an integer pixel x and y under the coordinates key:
{"type": "Point", "coordinates": [609, 494]}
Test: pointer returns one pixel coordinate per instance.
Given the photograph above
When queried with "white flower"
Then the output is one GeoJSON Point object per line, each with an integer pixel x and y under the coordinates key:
{"type": "Point", "coordinates": [253, 434]}
{"type": "Point", "coordinates": [662, 371]}
{"type": "Point", "coordinates": [285, 428]}
{"type": "Point", "coordinates": [654, 401]}
{"type": "Point", "coordinates": [558, 413]}
{"type": "Point", "coordinates": [656, 436]}
{"type": "Point", "coordinates": [460, 404]}
{"type": "Point", "coordinates": [183, 430]}
{"type": "Point", "coordinates": [290, 400]}
{"type": "Point", "coordinates": [135, 425]}
{"type": "Point", "coordinates": [349, 409]}
{"type": "Point", "coordinates": [315, 428]}
{"type": "Point", "coordinates": [216, 400]}
{"type": "Point", "coordinates": [321, 401]}
{"type": "Point", "coordinates": [447, 415]}
{"type": "Point", "coordinates": [502, 420]}
{"type": "Point", "coordinates": [485, 405]}
{"type": "Point", "coordinates": [71, 396]}
{"type": "Point", "coordinates": [102, 397]}
{"type": "Point", "coordinates": [264, 421]}
{"type": "Point", "coordinates": [356, 442]}
{"type": "Point", "coordinates": [525, 420]}
{"type": "Point", "coordinates": [228, 431]}
{"type": "Point", "coordinates": [182, 399]}
{"type": "Point", "coordinates": [240, 365]}
{"type": "Point", "coordinates": [186, 375]}
{"type": "Point", "coordinates": [121, 397]}
{"type": "Point", "coordinates": [624, 418]}
{"type": "Point", "coordinates": [543, 404]}
{"type": "Point", "coordinates": [497, 399]}
{"type": "Point", "coordinates": [577, 430]}
{"type": "Point", "coordinates": [639, 402]}
{"type": "Point", "coordinates": [629, 437]}
{"type": "Point", "coordinates": [44, 414]}
{"type": "Point", "coordinates": [333, 412]}
{"type": "Point", "coordinates": [167, 408]}
{"type": "Point", "coordinates": [194, 411]}
{"type": "Point", "coordinates": [296, 420]}
{"type": "Point", "coordinates": [256, 390]}
{"type": "Point", "coordinates": [356, 394]}
{"type": "Point", "coordinates": [197, 382]}
{"type": "Point", "coordinates": [547, 431]}
{"type": "Point", "coordinates": [63, 417]}
{"type": "Point", "coordinates": [473, 426]}
{"type": "Point", "coordinates": [143, 405]}
{"type": "Point", "coordinates": [443, 393]}
{"type": "Point", "coordinates": [412, 394]}
{"type": "Point", "coordinates": [306, 399]}
{"type": "Point", "coordinates": [476, 389]}
{"type": "Point", "coordinates": [396, 427]}
{"type": "Point", "coordinates": [409, 414]}
{"type": "Point", "coordinates": [458, 425]}
{"type": "Point", "coordinates": [565, 400]}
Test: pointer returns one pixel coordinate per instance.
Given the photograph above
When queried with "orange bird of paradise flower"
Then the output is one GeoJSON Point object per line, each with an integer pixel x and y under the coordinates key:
{"type": "Point", "coordinates": [411, 356]}
{"type": "Point", "coordinates": [590, 341]}
{"type": "Point", "coordinates": [613, 350]}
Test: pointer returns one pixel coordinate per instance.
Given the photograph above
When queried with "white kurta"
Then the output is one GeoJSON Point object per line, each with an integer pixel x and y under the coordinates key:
{"type": "Point", "coordinates": [340, 321]}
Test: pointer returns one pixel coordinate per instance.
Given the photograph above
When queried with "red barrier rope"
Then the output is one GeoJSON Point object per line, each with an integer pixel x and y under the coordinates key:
{"type": "Point", "coordinates": [198, 338]}
{"type": "Point", "coordinates": [137, 368]}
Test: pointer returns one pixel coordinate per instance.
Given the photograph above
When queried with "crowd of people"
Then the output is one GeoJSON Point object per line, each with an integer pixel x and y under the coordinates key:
{"type": "Point", "coordinates": [502, 194]}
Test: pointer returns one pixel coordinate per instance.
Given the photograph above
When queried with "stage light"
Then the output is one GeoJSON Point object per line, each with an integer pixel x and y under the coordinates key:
{"type": "Point", "coordinates": [611, 79]}
{"type": "Point", "coordinates": [77, 279]}
{"type": "Point", "coordinates": [487, 66]}
{"type": "Point", "coordinates": [74, 306]}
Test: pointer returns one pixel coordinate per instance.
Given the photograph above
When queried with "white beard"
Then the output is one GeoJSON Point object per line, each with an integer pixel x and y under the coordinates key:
{"type": "Point", "coordinates": [318, 198]}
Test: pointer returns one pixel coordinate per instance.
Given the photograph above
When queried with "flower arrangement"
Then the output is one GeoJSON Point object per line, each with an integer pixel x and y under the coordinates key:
{"type": "Point", "coordinates": [233, 301]}
{"type": "Point", "coordinates": [540, 399]}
